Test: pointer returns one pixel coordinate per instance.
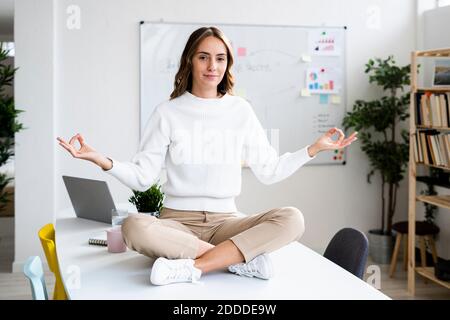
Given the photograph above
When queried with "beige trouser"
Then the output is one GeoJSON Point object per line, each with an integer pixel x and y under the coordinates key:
{"type": "Point", "coordinates": [175, 233]}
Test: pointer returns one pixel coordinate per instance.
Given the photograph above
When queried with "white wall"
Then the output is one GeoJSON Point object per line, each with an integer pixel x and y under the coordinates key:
{"type": "Point", "coordinates": [35, 164]}
{"type": "Point", "coordinates": [96, 92]}
{"type": "Point", "coordinates": [436, 23]}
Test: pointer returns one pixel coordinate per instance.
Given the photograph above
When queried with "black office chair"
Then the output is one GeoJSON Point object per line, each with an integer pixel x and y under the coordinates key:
{"type": "Point", "coordinates": [349, 250]}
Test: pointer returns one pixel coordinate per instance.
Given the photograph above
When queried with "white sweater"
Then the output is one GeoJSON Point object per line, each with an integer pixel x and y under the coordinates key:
{"type": "Point", "coordinates": [203, 144]}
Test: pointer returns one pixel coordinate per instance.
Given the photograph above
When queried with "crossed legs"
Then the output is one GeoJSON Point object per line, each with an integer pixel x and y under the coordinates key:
{"type": "Point", "coordinates": [236, 240]}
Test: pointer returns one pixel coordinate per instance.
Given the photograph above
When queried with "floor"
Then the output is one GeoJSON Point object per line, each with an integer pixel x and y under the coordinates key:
{"type": "Point", "coordinates": [396, 287]}
{"type": "Point", "coordinates": [16, 286]}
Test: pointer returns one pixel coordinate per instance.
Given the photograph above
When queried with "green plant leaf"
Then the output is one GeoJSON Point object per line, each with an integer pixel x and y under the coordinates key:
{"type": "Point", "coordinates": [377, 122]}
{"type": "Point", "coordinates": [150, 200]}
{"type": "Point", "coordinates": [8, 122]}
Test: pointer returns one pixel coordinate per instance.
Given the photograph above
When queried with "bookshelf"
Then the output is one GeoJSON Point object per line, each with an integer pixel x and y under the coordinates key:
{"type": "Point", "coordinates": [429, 148]}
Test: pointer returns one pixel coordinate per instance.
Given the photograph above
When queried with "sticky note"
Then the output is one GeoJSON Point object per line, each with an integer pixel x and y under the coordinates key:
{"type": "Point", "coordinates": [305, 93]}
{"type": "Point", "coordinates": [242, 52]}
{"type": "Point", "coordinates": [306, 58]}
{"type": "Point", "coordinates": [323, 99]}
{"type": "Point", "coordinates": [335, 99]}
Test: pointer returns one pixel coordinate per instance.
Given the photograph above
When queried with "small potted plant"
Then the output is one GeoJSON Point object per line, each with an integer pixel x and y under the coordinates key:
{"type": "Point", "coordinates": [150, 201]}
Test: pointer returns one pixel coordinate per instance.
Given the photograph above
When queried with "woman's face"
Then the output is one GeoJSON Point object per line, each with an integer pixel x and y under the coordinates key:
{"type": "Point", "coordinates": [209, 64]}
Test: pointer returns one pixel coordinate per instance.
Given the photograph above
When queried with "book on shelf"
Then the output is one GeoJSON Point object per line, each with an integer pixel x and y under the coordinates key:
{"type": "Point", "coordinates": [444, 109]}
{"type": "Point", "coordinates": [416, 149]}
{"type": "Point", "coordinates": [432, 147]}
{"type": "Point", "coordinates": [444, 152]}
{"type": "Point", "coordinates": [418, 105]}
{"type": "Point", "coordinates": [432, 109]}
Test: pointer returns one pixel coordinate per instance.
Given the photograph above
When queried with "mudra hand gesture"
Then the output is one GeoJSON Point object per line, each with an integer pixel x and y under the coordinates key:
{"type": "Point", "coordinates": [86, 152]}
{"type": "Point", "coordinates": [326, 142]}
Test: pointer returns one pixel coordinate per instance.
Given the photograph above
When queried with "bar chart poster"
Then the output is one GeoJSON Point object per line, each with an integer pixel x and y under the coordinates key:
{"type": "Point", "coordinates": [325, 42]}
{"type": "Point", "coordinates": [322, 80]}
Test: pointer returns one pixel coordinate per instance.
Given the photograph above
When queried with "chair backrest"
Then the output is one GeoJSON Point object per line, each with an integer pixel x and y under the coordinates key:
{"type": "Point", "coordinates": [47, 237]}
{"type": "Point", "coordinates": [349, 249]}
{"type": "Point", "coordinates": [34, 272]}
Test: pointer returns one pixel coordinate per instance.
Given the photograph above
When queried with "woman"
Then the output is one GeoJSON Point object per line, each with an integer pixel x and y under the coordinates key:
{"type": "Point", "coordinates": [203, 135]}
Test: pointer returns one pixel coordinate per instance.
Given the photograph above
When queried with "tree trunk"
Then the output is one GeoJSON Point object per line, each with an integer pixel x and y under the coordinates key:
{"type": "Point", "coordinates": [392, 187]}
{"type": "Point", "coordinates": [389, 211]}
{"type": "Point", "coordinates": [392, 209]}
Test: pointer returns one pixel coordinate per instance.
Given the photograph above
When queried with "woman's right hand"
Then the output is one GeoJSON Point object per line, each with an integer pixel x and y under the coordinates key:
{"type": "Point", "coordinates": [86, 152]}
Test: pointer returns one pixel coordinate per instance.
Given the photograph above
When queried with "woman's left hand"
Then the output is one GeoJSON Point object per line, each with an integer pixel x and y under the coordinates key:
{"type": "Point", "coordinates": [326, 143]}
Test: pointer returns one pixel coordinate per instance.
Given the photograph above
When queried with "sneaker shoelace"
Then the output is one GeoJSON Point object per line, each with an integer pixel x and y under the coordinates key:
{"type": "Point", "coordinates": [249, 268]}
{"type": "Point", "coordinates": [184, 271]}
{"type": "Point", "coordinates": [181, 271]}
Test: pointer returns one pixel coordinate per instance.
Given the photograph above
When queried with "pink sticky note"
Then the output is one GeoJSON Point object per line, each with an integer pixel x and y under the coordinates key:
{"type": "Point", "coordinates": [242, 52]}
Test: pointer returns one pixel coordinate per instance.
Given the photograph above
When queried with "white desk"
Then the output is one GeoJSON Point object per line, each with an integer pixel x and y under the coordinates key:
{"type": "Point", "coordinates": [300, 273]}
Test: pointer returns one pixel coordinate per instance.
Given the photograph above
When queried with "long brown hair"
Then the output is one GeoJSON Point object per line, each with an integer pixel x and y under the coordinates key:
{"type": "Point", "coordinates": [183, 78]}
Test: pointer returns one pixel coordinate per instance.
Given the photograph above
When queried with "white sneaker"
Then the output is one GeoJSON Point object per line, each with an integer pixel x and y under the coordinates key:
{"type": "Point", "coordinates": [165, 271]}
{"type": "Point", "coordinates": [260, 267]}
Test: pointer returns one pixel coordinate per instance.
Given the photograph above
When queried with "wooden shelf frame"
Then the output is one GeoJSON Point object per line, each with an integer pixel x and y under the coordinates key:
{"type": "Point", "coordinates": [433, 166]}
{"type": "Point", "coordinates": [442, 200]}
{"type": "Point", "coordinates": [428, 273]}
{"type": "Point", "coordinates": [443, 52]}
{"type": "Point", "coordinates": [433, 89]}
{"type": "Point", "coordinates": [422, 127]}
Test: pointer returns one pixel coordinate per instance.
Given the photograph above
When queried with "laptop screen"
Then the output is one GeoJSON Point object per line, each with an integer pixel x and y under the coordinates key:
{"type": "Point", "coordinates": [90, 199]}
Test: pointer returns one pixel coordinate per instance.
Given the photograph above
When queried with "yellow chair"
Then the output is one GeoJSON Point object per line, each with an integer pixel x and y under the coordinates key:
{"type": "Point", "coordinates": [47, 237]}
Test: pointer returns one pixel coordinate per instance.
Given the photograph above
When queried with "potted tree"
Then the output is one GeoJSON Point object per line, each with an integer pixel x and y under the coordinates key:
{"type": "Point", "coordinates": [149, 201]}
{"type": "Point", "coordinates": [8, 124]}
{"type": "Point", "coordinates": [386, 146]}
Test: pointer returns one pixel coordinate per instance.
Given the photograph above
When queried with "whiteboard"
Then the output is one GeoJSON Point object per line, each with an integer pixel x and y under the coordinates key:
{"type": "Point", "coordinates": [293, 76]}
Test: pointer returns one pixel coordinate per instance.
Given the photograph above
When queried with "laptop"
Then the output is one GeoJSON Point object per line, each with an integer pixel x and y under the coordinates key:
{"type": "Point", "coordinates": [90, 199]}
